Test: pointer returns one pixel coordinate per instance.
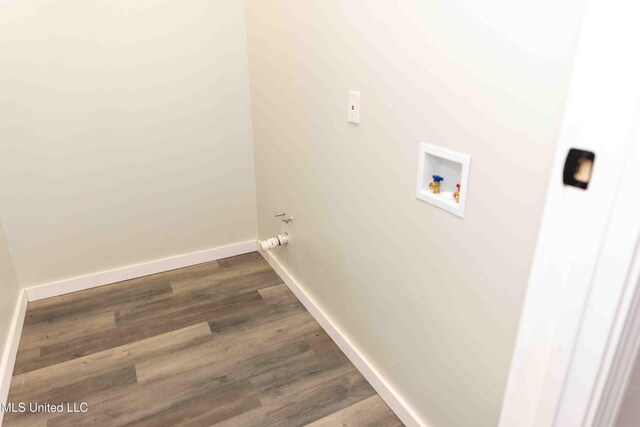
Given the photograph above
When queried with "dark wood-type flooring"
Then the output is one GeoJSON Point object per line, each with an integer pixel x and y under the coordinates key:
{"type": "Point", "coordinates": [223, 343]}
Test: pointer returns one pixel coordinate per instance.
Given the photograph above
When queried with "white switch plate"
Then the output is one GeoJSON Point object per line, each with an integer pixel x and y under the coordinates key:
{"type": "Point", "coordinates": [353, 115]}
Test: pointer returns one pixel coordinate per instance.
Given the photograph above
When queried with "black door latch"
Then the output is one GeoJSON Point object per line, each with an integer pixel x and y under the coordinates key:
{"type": "Point", "coordinates": [578, 168]}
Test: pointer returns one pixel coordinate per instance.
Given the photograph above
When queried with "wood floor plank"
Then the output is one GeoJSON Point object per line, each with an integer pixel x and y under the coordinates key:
{"type": "Point", "coordinates": [371, 412]}
{"type": "Point", "coordinates": [322, 344]}
{"type": "Point", "coordinates": [35, 421]}
{"type": "Point", "coordinates": [116, 295]}
{"type": "Point", "coordinates": [226, 349]}
{"type": "Point", "coordinates": [75, 392]}
{"type": "Point", "coordinates": [44, 333]}
{"type": "Point", "coordinates": [308, 405]}
{"type": "Point", "coordinates": [96, 300]}
{"type": "Point", "coordinates": [182, 307]}
{"type": "Point", "coordinates": [249, 317]}
{"type": "Point", "coordinates": [224, 343]}
{"type": "Point", "coordinates": [279, 294]}
{"type": "Point", "coordinates": [164, 320]}
{"type": "Point", "coordinates": [255, 277]}
{"type": "Point", "coordinates": [294, 378]}
{"type": "Point", "coordinates": [153, 399]}
{"type": "Point", "coordinates": [144, 320]}
{"type": "Point", "coordinates": [230, 401]}
{"type": "Point", "coordinates": [209, 381]}
{"type": "Point", "coordinates": [67, 329]}
{"type": "Point", "coordinates": [146, 408]}
{"type": "Point", "coordinates": [26, 358]}
{"type": "Point", "coordinates": [241, 262]}
{"type": "Point", "coordinates": [27, 385]}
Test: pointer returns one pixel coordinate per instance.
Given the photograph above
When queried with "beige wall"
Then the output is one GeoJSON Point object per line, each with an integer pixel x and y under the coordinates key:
{"type": "Point", "coordinates": [9, 289]}
{"type": "Point", "coordinates": [432, 300]}
{"type": "Point", "coordinates": [125, 132]}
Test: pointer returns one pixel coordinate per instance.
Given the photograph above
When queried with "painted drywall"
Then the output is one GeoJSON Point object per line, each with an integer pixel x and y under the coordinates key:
{"type": "Point", "coordinates": [9, 289]}
{"type": "Point", "coordinates": [432, 300]}
{"type": "Point", "coordinates": [125, 134]}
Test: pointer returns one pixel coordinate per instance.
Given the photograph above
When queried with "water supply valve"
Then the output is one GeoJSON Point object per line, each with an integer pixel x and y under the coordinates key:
{"type": "Point", "coordinates": [435, 185]}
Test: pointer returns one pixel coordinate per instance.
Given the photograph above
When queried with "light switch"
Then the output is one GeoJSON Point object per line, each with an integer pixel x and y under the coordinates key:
{"type": "Point", "coordinates": [353, 115]}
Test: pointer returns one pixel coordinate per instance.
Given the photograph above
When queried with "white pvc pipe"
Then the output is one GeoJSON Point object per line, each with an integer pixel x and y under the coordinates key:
{"type": "Point", "coordinates": [274, 242]}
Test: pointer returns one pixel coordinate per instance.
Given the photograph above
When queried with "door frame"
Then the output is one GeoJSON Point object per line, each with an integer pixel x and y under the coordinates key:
{"type": "Point", "coordinates": [580, 326]}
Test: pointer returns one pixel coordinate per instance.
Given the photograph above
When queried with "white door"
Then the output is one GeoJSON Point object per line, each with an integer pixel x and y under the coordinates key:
{"type": "Point", "coordinates": [583, 278]}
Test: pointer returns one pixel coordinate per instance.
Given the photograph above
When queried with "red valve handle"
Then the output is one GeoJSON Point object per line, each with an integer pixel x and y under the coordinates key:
{"type": "Point", "coordinates": [458, 185]}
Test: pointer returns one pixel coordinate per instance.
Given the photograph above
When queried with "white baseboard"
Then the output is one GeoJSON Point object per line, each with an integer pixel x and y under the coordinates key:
{"type": "Point", "coordinates": [139, 270]}
{"type": "Point", "coordinates": [406, 414]}
{"type": "Point", "coordinates": [11, 348]}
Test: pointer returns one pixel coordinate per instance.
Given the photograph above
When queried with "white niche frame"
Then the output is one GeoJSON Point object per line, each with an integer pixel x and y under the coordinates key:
{"type": "Point", "coordinates": [453, 167]}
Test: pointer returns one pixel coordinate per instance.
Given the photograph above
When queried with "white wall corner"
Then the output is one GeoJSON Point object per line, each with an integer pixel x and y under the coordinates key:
{"type": "Point", "coordinates": [11, 348]}
{"type": "Point", "coordinates": [391, 396]}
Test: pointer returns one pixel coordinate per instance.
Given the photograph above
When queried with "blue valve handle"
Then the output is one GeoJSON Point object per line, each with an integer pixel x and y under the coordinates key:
{"type": "Point", "coordinates": [437, 178]}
